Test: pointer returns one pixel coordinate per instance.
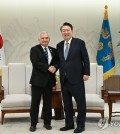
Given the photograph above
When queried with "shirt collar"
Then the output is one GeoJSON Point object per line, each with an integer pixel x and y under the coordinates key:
{"type": "Point", "coordinates": [68, 41]}
{"type": "Point", "coordinates": [44, 47]}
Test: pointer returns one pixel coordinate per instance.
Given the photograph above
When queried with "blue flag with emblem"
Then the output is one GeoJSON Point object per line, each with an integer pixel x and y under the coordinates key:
{"type": "Point", "coordinates": [105, 55]}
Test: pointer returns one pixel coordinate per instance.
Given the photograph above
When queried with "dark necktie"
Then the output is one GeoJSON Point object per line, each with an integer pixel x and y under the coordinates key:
{"type": "Point", "coordinates": [46, 53]}
{"type": "Point", "coordinates": [66, 50]}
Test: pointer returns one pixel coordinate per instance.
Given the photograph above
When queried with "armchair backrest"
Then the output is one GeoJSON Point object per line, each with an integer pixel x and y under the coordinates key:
{"type": "Point", "coordinates": [95, 82]}
{"type": "Point", "coordinates": [15, 78]}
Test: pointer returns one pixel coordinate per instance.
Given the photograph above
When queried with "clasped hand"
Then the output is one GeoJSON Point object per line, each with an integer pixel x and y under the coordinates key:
{"type": "Point", "coordinates": [52, 69]}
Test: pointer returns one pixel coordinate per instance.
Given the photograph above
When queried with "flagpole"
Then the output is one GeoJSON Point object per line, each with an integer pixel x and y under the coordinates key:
{"type": "Point", "coordinates": [105, 55]}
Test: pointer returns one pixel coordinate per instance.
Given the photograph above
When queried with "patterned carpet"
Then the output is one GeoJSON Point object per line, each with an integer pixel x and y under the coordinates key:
{"type": "Point", "coordinates": [20, 123]}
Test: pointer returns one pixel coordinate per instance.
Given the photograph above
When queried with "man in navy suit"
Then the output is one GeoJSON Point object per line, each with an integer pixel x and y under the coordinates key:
{"type": "Point", "coordinates": [42, 80]}
{"type": "Point", "coordinates": [74, 68]}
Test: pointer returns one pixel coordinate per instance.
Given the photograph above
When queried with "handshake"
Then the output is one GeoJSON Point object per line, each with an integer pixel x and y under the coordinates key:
{"type": "Point", "coordinates": [52, 69]}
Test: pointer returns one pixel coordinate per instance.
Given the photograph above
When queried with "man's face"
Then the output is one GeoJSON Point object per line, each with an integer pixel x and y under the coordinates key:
{"type": "Point", "coordinates": [44, 39]}
{"type": "Point", "coordinates": [66, 32]}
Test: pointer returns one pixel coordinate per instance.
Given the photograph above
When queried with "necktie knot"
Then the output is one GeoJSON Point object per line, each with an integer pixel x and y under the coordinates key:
{"type": "Point", "coordinates": [46, 53]}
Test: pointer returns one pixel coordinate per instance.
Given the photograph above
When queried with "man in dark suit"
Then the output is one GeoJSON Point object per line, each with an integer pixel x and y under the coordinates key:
{"type": "Point", "coordinates": [74, 68]}
{"type": "Point", "coordinates": [42, 80]}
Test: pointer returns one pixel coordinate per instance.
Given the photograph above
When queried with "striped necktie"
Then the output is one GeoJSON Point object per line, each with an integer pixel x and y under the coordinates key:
{"type": "Point", "coordinates": [46, 53]}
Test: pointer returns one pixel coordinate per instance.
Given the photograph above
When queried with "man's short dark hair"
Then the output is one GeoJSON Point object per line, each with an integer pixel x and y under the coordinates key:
{"type": "Point", "coordinates": [66, 24]}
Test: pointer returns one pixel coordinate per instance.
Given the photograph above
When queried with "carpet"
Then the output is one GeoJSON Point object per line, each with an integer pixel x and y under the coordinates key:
{"type": "Point", "coordinates": [20, 123]}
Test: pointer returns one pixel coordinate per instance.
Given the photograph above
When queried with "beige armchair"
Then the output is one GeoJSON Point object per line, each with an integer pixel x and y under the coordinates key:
{"type": "Point", "coordinates": [93, 87]}
{"type": "Point", "coordinates": [17, 92]}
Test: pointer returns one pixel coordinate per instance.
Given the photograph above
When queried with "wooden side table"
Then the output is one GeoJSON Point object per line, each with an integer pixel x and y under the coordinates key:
{"type": "Point", "coordinates": [56, 105]}
{"type": "Point", "coordinates": [1, 90]}
{"type": "Point", "coordinates": [104, 95]}
{"type": "Point", "coordinates": [1, 94]}
{"type": "Point", "coordinates": [112, 97]}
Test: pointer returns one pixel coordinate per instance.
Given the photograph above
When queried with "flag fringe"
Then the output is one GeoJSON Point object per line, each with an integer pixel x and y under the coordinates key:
{"type": "Point", "coordinates": [109, 73]}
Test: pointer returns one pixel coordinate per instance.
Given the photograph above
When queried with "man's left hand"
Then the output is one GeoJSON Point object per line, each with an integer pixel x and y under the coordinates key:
{"type": "Point", "coordinates": [85, 77]}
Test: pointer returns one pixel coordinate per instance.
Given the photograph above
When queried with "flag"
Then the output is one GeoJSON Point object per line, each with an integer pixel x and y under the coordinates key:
{"type": "Point", "coordinates": [2, 54]}
{"type": "Point", "coordinates": [105, 55]}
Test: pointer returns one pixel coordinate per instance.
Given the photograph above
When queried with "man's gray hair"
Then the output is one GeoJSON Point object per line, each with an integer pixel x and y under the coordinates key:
{"type": "Point", "coordinates": [43, 32]}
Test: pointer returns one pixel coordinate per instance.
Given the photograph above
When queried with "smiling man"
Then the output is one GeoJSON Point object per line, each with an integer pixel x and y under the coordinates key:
{"type": "Point", "coordinates": [42, 80]}
{"type": "Point", "coordinates": [74, 68]}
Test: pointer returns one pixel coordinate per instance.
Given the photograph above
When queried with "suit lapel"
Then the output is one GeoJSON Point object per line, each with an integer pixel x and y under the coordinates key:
{"type": "Point", "coordinates": [51, 51]}
{"type": "Point", "coordinates": [62, 49]}
{"type": "Point", "coordinates": [42, 52]}
{"type": "Point", "coordinates": [40, 48]}
{"type": "Point", "coordinates": [71, 47]}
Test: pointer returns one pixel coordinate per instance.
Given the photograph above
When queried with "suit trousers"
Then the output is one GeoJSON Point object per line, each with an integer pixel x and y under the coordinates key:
{"type": "Point", "coordinates": [37, 94]}
{"type": "Point", "coordinates": [78, 92]}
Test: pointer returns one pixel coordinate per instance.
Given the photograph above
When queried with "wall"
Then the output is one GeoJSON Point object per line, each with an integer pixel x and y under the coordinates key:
{"type": "Point", "coordinates": [22, 20]}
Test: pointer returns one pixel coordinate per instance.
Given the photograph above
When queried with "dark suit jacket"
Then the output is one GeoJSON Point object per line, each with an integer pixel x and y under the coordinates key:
{"type": "Point", "coordinates": [77, 63]}
{"type": "Point", "coordinates": [40, 74]}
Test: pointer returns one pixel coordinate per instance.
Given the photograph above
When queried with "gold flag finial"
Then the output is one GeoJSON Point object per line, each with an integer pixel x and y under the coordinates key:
{"type": "Point", "coordinates": [106, 13]}
{"type": "Point", "coordinates": [106, 7]}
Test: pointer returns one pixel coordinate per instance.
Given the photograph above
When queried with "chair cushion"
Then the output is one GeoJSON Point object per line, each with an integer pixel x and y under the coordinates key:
{"type": "Point", "coordinates": [92, 100]}
{"type": "Point", "coordinates": [16, 100]}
